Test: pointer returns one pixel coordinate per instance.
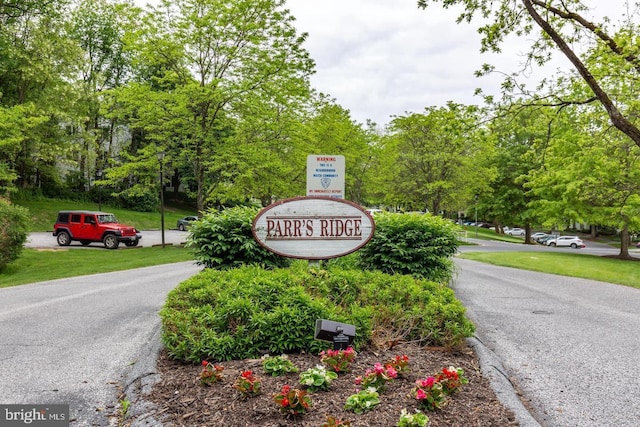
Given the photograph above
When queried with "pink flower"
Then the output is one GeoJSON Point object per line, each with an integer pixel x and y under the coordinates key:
{"type": "Point", "coordinates": [420, 394]}
{"type": "Point", "coordinates": [392, 373]}
{"type": "Point", "coordinates": [378, 368]}
{"type": "Point", "coordinates": [358, 380]}
{"type": "Point", "coordinates": [426, 383]}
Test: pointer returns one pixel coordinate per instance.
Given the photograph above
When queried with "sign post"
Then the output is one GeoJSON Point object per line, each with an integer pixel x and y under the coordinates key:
{"type": "Point", "coordinates": [325, 175]}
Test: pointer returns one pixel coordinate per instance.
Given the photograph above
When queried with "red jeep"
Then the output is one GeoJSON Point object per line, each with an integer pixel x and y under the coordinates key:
{"type": "Point", "coordinates": [88, 226]}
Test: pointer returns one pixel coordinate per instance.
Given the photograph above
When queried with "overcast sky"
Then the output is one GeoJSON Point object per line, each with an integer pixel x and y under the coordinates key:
{"type": "Point", "coordinates": [380, 58]}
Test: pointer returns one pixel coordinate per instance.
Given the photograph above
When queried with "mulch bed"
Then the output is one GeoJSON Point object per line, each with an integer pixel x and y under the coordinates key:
{"type": "Point", "coordinates": [181, 401]}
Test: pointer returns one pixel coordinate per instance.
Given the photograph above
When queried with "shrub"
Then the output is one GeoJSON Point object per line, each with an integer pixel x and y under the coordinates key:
{"type": "Point", "coordinates": [224, 240]}
{"type": "Point", "coordinates": [14, 226]}
{"type": "Point", "coordinates": [278, 365]}
{"type": "Point", "coordinates": [365, 400]}
{"type": "Point", "coordinates": [245, 312]}
{"type": "Point", "coordinates": [317, 378]}
{"type": "Point", "coordinates": [415, 244]}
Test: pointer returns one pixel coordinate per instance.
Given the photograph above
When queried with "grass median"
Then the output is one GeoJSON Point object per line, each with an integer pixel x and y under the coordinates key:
{"type": "Point", "coordinates": [39, 265]}
{"type": "Point", "coordinates": [575, 265]}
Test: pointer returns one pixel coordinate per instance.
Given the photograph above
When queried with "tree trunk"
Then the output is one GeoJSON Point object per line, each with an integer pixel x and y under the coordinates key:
{"type": "Point", "coordinates": [624, 243]}
{"type": "Point", "coordinates": [618, 120]}
{"type": "Point", "coordinates": [527, 234]}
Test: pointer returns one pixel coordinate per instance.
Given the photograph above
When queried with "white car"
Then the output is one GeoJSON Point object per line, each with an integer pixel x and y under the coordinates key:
{"type": "Point", "coordinates": [515, 232]}
{"type": "Point", "coordinates": [570, 241]}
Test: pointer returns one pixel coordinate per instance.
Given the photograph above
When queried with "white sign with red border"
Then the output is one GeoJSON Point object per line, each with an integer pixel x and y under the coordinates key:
{"type": "Point", "coordinates": [325, 175]}
{"type": "Point", "coordinates": [313, 227]}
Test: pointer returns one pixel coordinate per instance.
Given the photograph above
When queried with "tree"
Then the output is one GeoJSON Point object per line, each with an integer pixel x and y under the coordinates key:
{"type": "Point", "coordinates": [591, 174]}
{"type": "Point", "coordinates": [563, 24]}
{"type": "Point", "coordinates": [434, 160]}
{"type": "Point", "coordinates": [520, 142]}
{"type": "Point", "coordinates": [99, 28]}
{"type": "Point", "coordinates": [35, 73]}
{"type": "Point", "coordinates": [205, 61]}
{"type": "Point", "coordinates": [12, 10]}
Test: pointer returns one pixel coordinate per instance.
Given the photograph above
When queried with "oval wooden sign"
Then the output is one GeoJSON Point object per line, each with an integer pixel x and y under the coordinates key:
{"type": "Point", "coordinates": [313, 227]}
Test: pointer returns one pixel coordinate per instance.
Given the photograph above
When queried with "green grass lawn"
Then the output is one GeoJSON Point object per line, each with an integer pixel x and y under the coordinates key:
{"type": "Point", "coordinates": [39, 265]}
{"type": "Point", "coordinates": [575, 265]}
{"type": "Point", "coordinates": [486, 234]}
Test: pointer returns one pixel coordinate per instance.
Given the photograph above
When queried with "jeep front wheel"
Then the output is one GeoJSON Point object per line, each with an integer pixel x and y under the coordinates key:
{"type": "Point", "coordinates": [63, 238]}
{"type": "Point", "coordinates": [110, 241]}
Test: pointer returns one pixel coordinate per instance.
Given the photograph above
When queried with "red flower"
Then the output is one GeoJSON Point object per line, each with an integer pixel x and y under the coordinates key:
{"type": "Point", "coordinates": [205, 363]}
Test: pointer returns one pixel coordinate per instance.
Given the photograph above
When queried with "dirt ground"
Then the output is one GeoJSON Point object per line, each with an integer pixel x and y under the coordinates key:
{"type": "Point", "coordinates": [181, 401]}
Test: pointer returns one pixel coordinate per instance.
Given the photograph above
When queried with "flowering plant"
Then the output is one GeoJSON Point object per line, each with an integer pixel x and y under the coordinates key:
{"type": "Point", "coordinates": [248, 384]}
{"type": "Point", "coordinates": [429, 394]}
{"type": "Point", "coordinates": [317, 378]}
{"type": "Point", "coordinates": [278, 365]}
{"type": "Point", "coordinates": [400, 364]}
{"type": "Point", "coordinates": [210, 373]}
{"type": "Point", "coordinates": [364, 401]}
{"type": "Point", "coordinates": [334, 422]}
{"type": "Point", "coordinates": [377, 377]}
{"type": "Point", "coordinates": [451, 379]}
{"type": "Point", "coordinates": [417, 419]}
{"type": "Point", "coordinates": [338, 360]}
{"type": "Point", "coordinates": [291, 401]}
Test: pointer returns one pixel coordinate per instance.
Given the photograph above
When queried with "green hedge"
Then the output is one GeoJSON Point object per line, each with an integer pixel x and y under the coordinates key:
{"type": "Point", "coordinates": [415, 244]}
{"type": "Point", "coordinates": [223, 239]}
{"type": "Point", "coordinates": [246, 312]}
{"type": "Point", "coordinates": [14, 226]}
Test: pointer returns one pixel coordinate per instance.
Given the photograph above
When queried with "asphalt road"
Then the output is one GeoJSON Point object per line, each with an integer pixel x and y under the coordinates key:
{"type": "Point", "coordinates": [71, 341]}
{"type": "Point", "coordinates": [569, 345]}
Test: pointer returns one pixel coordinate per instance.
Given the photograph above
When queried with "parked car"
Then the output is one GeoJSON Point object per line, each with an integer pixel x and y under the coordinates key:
{"type": "Point", "coordinates": [545, 239]}
{"type": "Point", "coordinates": [185, 222]}
{"type": "Point", "coordinates": [89, 226]}
{"type": "Point", "coordinates": [515, 232]}
{"type": "Point", "coordinates": [538, 235]}
{"type": "Point", "coordinates": [571, 241]}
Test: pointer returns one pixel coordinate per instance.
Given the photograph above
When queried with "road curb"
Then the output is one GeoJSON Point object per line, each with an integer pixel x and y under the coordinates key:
{"type": "Point", "coordinates": [139, 381]}
{"type": "Point", "coordinates": [492, 369]}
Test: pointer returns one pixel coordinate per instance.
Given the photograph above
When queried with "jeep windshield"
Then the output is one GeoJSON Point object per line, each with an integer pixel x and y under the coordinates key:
{"type": "Point", "coordinates": [107, 218]}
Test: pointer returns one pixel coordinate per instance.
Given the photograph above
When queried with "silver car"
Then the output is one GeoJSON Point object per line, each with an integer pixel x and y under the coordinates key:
{"type": "Point", "coordinates": [515, 232]}
{"type": "Point", "coordinates": [185, 222]}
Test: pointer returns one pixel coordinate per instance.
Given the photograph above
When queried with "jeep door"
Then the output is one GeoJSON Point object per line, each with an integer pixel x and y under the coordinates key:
{"type": "Point", "coordinates": [90, 229]}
